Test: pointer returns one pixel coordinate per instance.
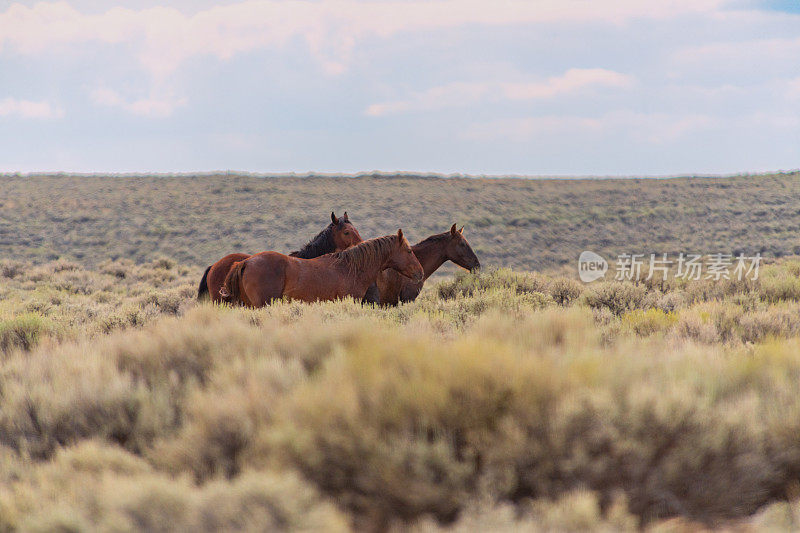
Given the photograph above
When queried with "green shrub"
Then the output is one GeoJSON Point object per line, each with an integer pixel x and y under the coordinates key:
{"type": "Point", "coordinates": [49, 405]}
{"type": "Point", "coordinates": [166, 302]}
{"type": "Point", "coordinates": [760, 325]}
{"type": "Point", "coordinates": [565, 291]}
{"type": "Point", "coordinates": [24, 331]}
{"type": "Point", "coordinates": [266, 502]}
{"type": "Point", "coordinates": [473, 283]}
{"type": "Point", "coordinates": [11, 269]}
{"type": "Point", "coordinates": [697, 328]}
{"type": "Point", "coordinates": [219, 434]}
{"type": "Point", "coordinates": [617, 297]}
{"type": "Point", "coordinates": [164, 263]}
{"type": "Point", "coordinates": [389, 429]}
{"type": "Point", "coordinates": [649, 322]}
{"type": "Point", "coordinates": [579, 510]}
{"type": "Point", "coordinates": [129, 315]}
{"type": "Point", "coordinates": [96, 487]}
{"type": "Point", "coordinates": [779, 286]}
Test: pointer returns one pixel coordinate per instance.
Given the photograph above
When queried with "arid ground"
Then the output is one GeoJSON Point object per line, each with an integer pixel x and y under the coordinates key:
{"type": "Point", "coordinates": [517, 398]}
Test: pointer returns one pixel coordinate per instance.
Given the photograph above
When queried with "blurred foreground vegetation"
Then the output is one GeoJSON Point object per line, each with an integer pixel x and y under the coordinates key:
{"type": "Point", "coordinates": [500, 401]}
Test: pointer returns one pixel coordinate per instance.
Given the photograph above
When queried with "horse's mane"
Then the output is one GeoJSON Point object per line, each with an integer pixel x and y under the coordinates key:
{"type": "Point", "coordinates": [433, 239]}
{"type": "Point", "coordinates": [320, 245]}
{"type": "Point", "coordinates": [366, 253]}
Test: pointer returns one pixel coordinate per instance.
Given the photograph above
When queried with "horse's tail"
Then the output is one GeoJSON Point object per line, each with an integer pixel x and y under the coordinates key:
{"type": "Point", "coordinates": [202, 291]}
{"type": "Point", "coordinates": [231, 289]}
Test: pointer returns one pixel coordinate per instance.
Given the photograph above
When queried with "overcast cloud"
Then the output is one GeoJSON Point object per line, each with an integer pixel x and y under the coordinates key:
{"type": "Point", "coordinates": [536, 87]}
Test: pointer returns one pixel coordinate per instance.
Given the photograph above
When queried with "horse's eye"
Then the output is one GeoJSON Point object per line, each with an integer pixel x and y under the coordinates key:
{"type": "Point", "coordinates": [347, 233]}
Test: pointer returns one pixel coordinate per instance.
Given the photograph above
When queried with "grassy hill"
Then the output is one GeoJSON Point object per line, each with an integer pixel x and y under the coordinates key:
{"type": "Point", "coordinates": [517, 223]}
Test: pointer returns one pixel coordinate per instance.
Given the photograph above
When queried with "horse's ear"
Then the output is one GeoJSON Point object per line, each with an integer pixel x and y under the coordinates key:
{"type": "Point", "coordinates": [334, 219]}
{"type": "Point", "coordinates": [453, 230]}
{"type": "Point", "coordinates": [345, 217]}
{"type": "Point", "coordinates": [461, 230]}
{"type": "Point", "coordinates": [399, 236]}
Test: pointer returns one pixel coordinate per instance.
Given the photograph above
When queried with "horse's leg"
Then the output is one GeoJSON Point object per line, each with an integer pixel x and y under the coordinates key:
{"type": "Point", "coordinates": [373, 295]}
{"type": "Point", "coordinates": [389, 282]}
{"type": "Point", "coordinates": [409, 292]}
{"type": "Point", "coordinates": [386, 288]}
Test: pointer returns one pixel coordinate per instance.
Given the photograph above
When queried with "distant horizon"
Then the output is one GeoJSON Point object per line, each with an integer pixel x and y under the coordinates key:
{"type": "Point", "coordinates": [390, 174]}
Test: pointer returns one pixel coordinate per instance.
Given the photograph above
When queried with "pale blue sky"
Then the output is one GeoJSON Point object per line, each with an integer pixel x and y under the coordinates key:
{"type": "Point", "coordinates": [532, 87]}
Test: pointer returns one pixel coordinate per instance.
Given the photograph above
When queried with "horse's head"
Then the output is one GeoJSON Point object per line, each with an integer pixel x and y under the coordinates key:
{"type": "Point", "coordinates": [344, 233]}
{"type": "Point", "coordinates": [404, 261]}
{"type": "Point", "coordinates": [460, 252]}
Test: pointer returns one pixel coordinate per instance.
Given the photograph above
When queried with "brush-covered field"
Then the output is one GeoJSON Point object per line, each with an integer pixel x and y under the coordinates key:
{"type": "Point", "coordinates": [512, 223]}
{"type": "Point", "coordinates": [504, 400]}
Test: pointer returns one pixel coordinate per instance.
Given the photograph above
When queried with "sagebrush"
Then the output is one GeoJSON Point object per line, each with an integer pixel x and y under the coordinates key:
{"type": "Point", "coordinates": [497, 400]}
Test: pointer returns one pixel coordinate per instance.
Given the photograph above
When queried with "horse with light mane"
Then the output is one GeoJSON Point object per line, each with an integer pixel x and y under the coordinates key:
{"type": "Point", "coordinates": [340, 234]}
{"type": "Point", "coordinates": [269, 276]}
{"type": "Point", "coordinates": [431, 253]}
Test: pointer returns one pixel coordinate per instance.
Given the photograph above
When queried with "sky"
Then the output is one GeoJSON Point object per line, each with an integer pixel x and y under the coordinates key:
{"type": "Point", "coordinates": [523, 87]}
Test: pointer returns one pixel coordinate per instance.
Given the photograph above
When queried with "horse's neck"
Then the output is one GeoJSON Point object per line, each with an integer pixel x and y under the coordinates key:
{"type": "Point", "coordinates": [430, 255]}
{"type": "Point", "coordinates": [367, 274]}
{"type": "Point", "coordinates": [320, 245]}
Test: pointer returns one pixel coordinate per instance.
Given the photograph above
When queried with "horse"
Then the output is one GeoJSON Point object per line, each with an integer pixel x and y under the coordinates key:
{"type": "Point", "coordinates": [338, 235]}
{"type": "Point", "coordinates": [268, 276]}
{"type": "Point", "coordinates": [431, 253]}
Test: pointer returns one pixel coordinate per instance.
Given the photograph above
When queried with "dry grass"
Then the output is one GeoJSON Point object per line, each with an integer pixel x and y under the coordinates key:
{"type": "Point", "coordinates": [504, 400]}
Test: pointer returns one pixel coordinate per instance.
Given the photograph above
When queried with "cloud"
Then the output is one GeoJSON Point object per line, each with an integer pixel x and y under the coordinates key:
{"type": "Point", "coordinates": [165, 37]}
{"type": "Point", "coordinates": [150, 107]}
{"type": "Point", "coordinates": [745, 50]}
{"type": "Point", "coordinates": [770, 56]}
{"type": "Point", "coordinates": [772, 121]}
{"type": "Point", "coordinates": [468, 93]}
{"type": "Point", "coordinates": [654, 128]}
{"type": "Point", "coordinates": [793, 88]}
{"type": "Point", "coordinates": [29, 109]}
{"type": "Point", "coordinates": [524, 129]}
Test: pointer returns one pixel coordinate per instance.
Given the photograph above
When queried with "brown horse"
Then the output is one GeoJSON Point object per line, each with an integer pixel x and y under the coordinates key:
{"type": "Point", "coordinates": [340, 234]}
{"type": "Point", "coordinates": [268, 276]}
{"type": "Point", "coordinates": [432, 253]}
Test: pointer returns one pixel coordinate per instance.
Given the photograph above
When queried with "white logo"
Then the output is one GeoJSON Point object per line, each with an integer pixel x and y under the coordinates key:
{"type": "Point", "coordinates": [591, 266]}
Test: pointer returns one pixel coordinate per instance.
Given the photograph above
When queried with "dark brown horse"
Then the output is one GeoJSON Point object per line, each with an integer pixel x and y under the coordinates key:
{"type": "Point", "coordinates": [268, 276]}
{"type": "Point", "coordinates": [432, 253]}
{"type": "Point", "coordinates": [340, 234]}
